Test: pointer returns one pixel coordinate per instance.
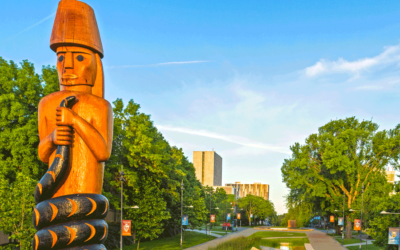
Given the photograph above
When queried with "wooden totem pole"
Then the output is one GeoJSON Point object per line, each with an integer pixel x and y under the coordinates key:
{"type": "Point", "coordinates": [75, 130]}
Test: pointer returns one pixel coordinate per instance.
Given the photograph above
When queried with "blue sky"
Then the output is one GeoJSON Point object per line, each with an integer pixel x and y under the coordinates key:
{"type": "Point", "coordinates": [245, 78]}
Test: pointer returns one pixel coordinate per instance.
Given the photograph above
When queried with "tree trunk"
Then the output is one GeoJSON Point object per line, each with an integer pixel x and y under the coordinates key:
{"type": "Point", "coordinates": [349, 227]}
{"type": "Point", "coordinates": [134, 236]}
{"type": "Point", "coordinates": [138, 244]}
{"type": "Point", "coordinates": [338, 229]}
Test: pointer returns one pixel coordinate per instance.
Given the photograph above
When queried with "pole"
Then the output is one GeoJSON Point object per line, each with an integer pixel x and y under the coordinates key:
{"type": "Point", "coordinates": [226, 215]}
{"type": "Point", "coordinates": [362, 203]}
{"type": "Point", "coordinates": [181, 209]}
{"type": "Point", "coordinates": [210, 211]}
{"type": "Point", "coordinates": [343, 223]}
{"type": "Point", "coordinates": [122, 191]}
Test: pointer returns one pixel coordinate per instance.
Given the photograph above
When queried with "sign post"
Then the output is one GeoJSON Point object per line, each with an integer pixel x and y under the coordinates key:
{"type": "Point", "coordinates": [126, 228]}
{"type": "Point", "coordinates": [394, 235]}
{"type": "Point", "coordinates": [357, 225]}
{"type": "Point", "coordinates": [239, 218]}
{"type": "Point", "coordinates": [185, 220]}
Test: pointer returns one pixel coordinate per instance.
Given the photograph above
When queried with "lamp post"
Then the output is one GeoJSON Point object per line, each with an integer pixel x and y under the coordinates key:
{"type": "Point", "coordinates": [181, 209]}
{"type": "Point", "coordinates": [343, 220]}
{"type": "Point", "coordinates": [210, 213]}
{"type": "Point", "coordinates": [134, 207]}
{"type": "Point", "coordinates": [122, 179]}
{"type": "Point", "coordinates": [384, 212]}
{"type": "Point", "coordinates": [210, 220]}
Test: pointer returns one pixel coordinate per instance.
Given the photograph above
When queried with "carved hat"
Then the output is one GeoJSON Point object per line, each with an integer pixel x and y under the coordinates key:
{"type": "Point", "coordinates": [75, 24]}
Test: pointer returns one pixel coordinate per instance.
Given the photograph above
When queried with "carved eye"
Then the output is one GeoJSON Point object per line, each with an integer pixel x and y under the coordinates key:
{"type": "Point", "coordinates": [61, 58]}
{"type": "Point", "coordinates": [80, 58]}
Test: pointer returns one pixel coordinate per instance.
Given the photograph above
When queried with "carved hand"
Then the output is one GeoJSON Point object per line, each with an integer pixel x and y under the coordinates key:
{"type": "Point", "coordinates": [65, 117]}
{"type": "Point", "coordinates": [62, 135]}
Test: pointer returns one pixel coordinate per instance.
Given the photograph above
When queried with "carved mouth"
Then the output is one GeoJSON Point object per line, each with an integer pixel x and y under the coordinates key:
{"type": "Point", "coordinates": [69, 77]}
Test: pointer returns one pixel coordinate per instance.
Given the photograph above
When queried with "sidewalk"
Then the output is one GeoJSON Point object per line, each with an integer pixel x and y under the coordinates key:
{"type": "Point", "coordinates": [204, 232]}
{"type": "Point", "coordinates": [321, 241]}
{"type": "Point", "coordinates": [215, 242]}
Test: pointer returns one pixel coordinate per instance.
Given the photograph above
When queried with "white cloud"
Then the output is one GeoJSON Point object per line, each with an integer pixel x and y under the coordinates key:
{"type": "Point", "coordinates": [390, 54]}
{"type": "Point", "coordinates": [228, 138]}
{"type": "Point", "coordinates": [157, 64]}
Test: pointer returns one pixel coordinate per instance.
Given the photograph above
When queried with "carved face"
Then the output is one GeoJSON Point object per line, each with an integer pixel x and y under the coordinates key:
{"type": "Point", "coordinates": [76, 66]}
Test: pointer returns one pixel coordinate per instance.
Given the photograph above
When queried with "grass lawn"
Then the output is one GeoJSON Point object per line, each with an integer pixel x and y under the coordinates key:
{"type": "Point", "coordinates": [172, 243]}
{"type": "Point", "coordinates": [277, 242]}
{"type": "Point", "coordinates": [370, 247]}
{"type": "Point", "coordinates": [221, 233]}
{"type": "Point", "coordinates": [266, 234]}
{"type": "Point", "coordinates": [348, 241]}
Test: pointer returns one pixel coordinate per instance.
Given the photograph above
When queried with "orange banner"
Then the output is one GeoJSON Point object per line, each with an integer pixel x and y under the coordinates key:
{"type": "Point", "coordinates": [357, 225]}
{"type": "Point", "coordinates": [126, 228]}
{"type": "Point", "coordinates": [212, 218]}
{"type": "Point", "coordinates": [332, 218]}
{"type": "Point", "coordinates": [238, 216]}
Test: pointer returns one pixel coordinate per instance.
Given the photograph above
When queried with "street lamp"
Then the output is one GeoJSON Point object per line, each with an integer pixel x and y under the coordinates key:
{"type": "Point", "coordinates": [181, 209]}
{"type": "Point", "coordinates": [122, 179]}
{"type": "Point", "coordinates": [343, 223]}
{"type": "Point", "coordinates": [134, 207]}
{"type": "Point", "coordinates": [384, 212]}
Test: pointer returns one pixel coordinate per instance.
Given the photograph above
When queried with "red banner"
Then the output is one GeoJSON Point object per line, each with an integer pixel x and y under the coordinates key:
{"type": "Point", "coordinates": [126, 228]}
{"type": "Point", "coordinates": [357, 224]}
{"type": "Point", "coordinates": [212, 218]}
{"type": "Point", "coordinates": [332, 218]}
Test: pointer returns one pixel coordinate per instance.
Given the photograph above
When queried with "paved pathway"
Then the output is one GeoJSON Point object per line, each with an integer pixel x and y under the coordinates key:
{"type": "Point", "coordinates": [321, 241]}
{"type": "Point", "coordinates": [215, 242]}
{"type": "Point", "coordinates": [204, 232]}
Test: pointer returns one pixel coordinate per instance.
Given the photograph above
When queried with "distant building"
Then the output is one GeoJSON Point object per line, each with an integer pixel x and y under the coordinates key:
{"type": "Point", "coordinates": [228, 190]}
{"type": "Point", "coordinates": [208, 165]}
{"type": "Point", "coordinates": [256, 189]}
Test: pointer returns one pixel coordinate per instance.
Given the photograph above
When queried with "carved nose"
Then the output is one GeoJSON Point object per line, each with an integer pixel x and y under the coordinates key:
{"type": "Point", "coordinates": [69, 61]}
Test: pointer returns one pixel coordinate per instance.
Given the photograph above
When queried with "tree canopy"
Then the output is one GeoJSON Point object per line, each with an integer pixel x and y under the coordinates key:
{"type": "Point", "coordinates": [343, 156]}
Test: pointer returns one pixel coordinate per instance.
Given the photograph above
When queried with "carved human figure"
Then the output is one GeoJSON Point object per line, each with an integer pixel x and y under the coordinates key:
{"type": "Point", "coordinates": [75, 131]}
{"type": "Point", "coordinates": [86, 128]}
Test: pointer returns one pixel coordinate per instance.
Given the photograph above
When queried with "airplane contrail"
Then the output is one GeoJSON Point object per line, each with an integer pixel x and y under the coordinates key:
{"type": "Point", "coordinates": [41, 21]}
{"type": "Point", "coordinates": [157, 64]}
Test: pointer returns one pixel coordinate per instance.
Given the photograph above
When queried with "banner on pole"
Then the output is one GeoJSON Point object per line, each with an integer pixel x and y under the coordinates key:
{"type": "Point", "coordinates": [212, 218]}
{"type": "Point", "coordinates": [238, 216]}
{"type": "Point", "coordinates": [251, 215]}
{"type": "Point", "coordinates": [340, 221]}
{"type": "Point", "coordinates": [126, 228]}
{"type": "Point", "coordinates": [394, 235]}
{"type": "Point", "coordinates": [332, 218]}
{"type": "Point", "coordinates": [357, 225]}
{"type": "Point", "coordinates": [228, 216]}
{"type": "Point", "coordinates": [185, 220]}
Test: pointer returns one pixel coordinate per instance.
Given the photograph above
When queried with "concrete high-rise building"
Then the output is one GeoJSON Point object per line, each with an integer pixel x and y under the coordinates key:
{"type": "Point", "coordinates": [208, 165]}
{"type": "Point", "coordinates": [256, 189]}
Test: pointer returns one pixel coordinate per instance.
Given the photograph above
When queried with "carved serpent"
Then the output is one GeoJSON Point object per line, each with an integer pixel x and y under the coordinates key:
{"type": "Point", "coordinates": [71, 221]}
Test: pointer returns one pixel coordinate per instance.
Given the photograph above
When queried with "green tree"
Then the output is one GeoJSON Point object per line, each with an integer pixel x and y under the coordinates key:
{"type": "Point", "coordinates": [257, 206]}
{"type": "Point", "coordinates": [20, 168]}
{"type": "Point", "coordinates": [153, 168]}
{"type": "Point", "coordinates": [343, 156]}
